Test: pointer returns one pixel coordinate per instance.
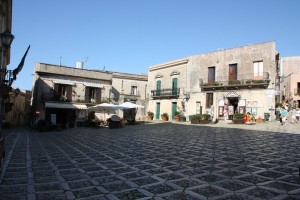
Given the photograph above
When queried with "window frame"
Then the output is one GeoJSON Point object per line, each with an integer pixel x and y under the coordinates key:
{"type": "Point", "coordinates": [209, 100]}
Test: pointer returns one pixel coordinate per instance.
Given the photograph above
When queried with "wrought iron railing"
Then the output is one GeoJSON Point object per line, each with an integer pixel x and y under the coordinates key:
{"type": "Point", "coordinates": [244, 80]}
{"type": "Point", "coordinates": [165, 92]}
{"type": "Point", "coordinates": [54, 97]}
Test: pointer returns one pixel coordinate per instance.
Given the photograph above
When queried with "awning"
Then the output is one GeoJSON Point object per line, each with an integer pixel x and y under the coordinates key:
{"type": "Point", "coordinates": [65, 106]}
{"type": "Point", "coordinates": [96, 85]}
{"type": "Point", "coordinates": [62, 81]}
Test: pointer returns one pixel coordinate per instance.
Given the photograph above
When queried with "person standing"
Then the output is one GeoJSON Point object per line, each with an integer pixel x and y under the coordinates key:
{"type": "Point", "coordinates": [283, 116]}
{"type": "Point", "coordinates": [293, 113]}
{"type": "Point", "coordinates": [297, 115]}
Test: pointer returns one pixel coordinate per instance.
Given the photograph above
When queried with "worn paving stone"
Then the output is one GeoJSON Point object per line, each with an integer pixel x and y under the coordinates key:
{"type": "Point", "coordinates": [160, 161]}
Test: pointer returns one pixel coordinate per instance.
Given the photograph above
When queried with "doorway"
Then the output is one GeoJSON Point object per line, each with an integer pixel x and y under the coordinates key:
{"type": "Point", "coordinates": [233, 102]}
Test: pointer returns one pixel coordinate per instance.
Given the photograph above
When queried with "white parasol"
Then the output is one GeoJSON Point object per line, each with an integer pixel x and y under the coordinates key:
{"type": "Point", "coordinates": [129, 105]}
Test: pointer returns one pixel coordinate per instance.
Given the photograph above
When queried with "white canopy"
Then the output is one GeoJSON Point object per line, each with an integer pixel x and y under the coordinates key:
{"type": "Point", "coordinates": [107, 105]}
{"type": "Point", "coordinates": [129, 105]}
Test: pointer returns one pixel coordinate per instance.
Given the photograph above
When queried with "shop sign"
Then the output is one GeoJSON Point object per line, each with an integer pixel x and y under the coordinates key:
{"type": "Point", "coordinates": [242, 102]}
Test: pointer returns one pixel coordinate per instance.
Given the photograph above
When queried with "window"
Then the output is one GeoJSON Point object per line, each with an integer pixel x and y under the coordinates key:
{"type": "Point", "coordinates": [133, 90]}
{"type": "Point", "coordinates": [232, 72]}
{"type": "Point", "coordinates": [62, 90]}
{"type": "Point", "coordinates": [258, 69]}
{"type": "Point", "coordinates": [92, 94]}
{"type": "Point", "coordinates": [211, 74]}
{"type": "Point", "coordinates": [198, 108]}
{"type": "Point", "coordinates": [174, 86]}
{"type": "Point", "coordinates": [209, 99]}
{"type": "Point", "coordinates": [158, 87]}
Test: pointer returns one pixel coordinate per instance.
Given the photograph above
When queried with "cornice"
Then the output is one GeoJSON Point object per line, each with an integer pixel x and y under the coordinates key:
{"type": "Point", "coordinates": [169, 64]}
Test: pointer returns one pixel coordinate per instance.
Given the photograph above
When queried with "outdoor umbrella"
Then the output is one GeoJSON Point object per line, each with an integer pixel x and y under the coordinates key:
{"type": "Point", "coordinates": [107, 105]}
{"type": "Point", "coordinates": [129, 105]}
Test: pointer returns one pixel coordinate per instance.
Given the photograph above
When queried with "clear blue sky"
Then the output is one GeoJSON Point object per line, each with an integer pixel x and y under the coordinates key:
{"type": "Point", "coordinates": [132, 35]}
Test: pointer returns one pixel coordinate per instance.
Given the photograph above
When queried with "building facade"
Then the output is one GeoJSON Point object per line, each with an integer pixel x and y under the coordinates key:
{"type": "Point", "coordinates": [220, 83]}
{"type": "Point", "coordinates": [17, 109]}
{"type": "Point", "coordinates": [290, 79]}
{"type": "Point", "coordinates": [130, 88]}
{"type": "Point", "coordinates": [66, 95]}
{"type": "Point", "coordinates": [63, 94]}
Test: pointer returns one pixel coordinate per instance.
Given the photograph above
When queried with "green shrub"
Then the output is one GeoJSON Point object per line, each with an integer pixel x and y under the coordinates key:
{"type": "Point", "coordinates": [150, 113]}
{"type": "Point", "coordinates": [165, 114]}
{"type": "Point", "coordinates": [238, 116]}
{"type": "Point", "coordinates": [201, 117]}
{"type": "Point", "coordinates": [206, 116]}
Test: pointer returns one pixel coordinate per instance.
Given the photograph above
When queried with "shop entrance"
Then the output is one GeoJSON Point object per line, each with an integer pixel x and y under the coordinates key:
{"type": "Point", "coordinates": [233, 101]}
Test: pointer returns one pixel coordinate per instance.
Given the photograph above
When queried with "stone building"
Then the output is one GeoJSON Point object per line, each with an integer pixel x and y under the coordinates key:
{"type": "Point", "coordinates": [130, 88]}
{"type": "Point", "coordinates": [65, 95]}
{"type": "Point", "coordinates": [222, 83]}
{"type": "Point", "coordinates": [290, 79]}
{"type": "Point", "coordinates": [62, 94]}
{"type": "Point", "coordinates": [17, 109]}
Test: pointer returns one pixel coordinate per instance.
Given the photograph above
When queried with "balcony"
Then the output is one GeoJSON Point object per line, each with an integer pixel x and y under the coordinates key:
{"type": "Point", "coordinates": [245, 81]}
{"type": "Point", "coordinates": [297, 91]}
{"type": "Point", "coordinates": [165, 93]}
{"type": "Point", "coordinates": [131, 97]}
{"type": "Point", "coordinates": [52, 97]}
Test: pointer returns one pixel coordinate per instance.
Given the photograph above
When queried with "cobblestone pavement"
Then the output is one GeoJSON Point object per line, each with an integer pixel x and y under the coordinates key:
{"type": "Point", "coordinates": [151, 161]}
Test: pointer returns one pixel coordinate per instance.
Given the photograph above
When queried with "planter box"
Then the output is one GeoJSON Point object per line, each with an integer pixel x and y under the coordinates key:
{"type": "Point", "coordinates": [204, 121]}
{"type": "Point", "coordinates": [259, 120]}
{"type": "Point", "coordinates": [195, 121]}
{"type": "Point", "coordinates": [238, 121]}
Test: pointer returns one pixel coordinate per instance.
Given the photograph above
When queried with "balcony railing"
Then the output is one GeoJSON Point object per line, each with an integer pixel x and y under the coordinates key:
{"type": "Point", "coordinates": [165, 93]}
{"type": "Point", "coordinates": [297, 91]}
{"type": "Point", "coordinates": [54, 97]}
{"type": "Point", "coordinates": [132, 97]}
{"type": "Point", "coordinates": [244, 81]}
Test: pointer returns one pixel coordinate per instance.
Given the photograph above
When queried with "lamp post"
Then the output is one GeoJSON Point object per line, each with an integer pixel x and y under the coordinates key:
{"type": "Point", "coordinates": [6, 40]}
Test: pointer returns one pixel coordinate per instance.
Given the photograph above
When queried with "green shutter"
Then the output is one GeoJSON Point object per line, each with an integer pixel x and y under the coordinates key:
{"type": "Point", "coordinates": [157, 110]}
{"type": "Point", "coordinates": [174, 86]}
{"type": "Point", "coordinates": [158, 87]}
{"type": "Point", "coordinates": [174, 109]}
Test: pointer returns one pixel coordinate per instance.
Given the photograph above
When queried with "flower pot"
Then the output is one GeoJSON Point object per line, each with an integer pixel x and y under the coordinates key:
{"type": "Point", "coordinates": [182, 119]}
{"type": "Point", "coordinates": [150, 117]}
{"type": "Point", "coordinates": [259, 120]}
{"type": "Point", "coordinates": [177, 118]}
{"type": "Point", "coordinates": [164, 118]}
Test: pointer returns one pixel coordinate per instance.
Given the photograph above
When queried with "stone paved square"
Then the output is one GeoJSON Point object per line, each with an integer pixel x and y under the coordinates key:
{"type": "Point", "coordinates": [151, 161]}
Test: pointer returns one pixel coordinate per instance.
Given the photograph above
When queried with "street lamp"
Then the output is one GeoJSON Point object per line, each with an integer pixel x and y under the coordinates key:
{"type": "Point", "coordinates": [7, 38]}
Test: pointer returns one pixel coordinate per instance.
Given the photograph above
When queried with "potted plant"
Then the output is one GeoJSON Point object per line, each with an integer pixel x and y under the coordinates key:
{"type": "Point", "coordinates": [200, 119]}
{"type": "Point", "coordinates": [259, 120]}
{"type": "Point", "coordinates": [238, 118]}
{"type": "Point", "coordinates": [150, 115]}
{"type": "Point", "coordinates": [165, 116]}
{"type": "Point", "coordinates": [177, 115]}
{"type": "Point", "coordinates": [195, 119]}
{"type": "Point", "coordinates": [205, 119]}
